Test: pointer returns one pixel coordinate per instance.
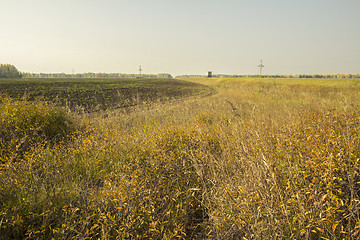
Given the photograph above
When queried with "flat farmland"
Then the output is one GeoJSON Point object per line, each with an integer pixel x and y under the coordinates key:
{"type": "Point", "coordinates": [89, 95]}
{"type": "Point", "coordinates": [260, 159]}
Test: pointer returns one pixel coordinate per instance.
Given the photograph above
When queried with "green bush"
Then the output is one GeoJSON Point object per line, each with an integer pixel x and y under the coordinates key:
{"type": "Point", "coordinates": [25, 124]}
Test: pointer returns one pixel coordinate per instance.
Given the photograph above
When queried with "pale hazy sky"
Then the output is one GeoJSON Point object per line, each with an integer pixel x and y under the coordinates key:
{"type": "Point", "coordinates": [181, 36]}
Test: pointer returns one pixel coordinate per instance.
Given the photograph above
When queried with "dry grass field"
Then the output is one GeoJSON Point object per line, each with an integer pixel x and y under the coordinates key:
{"type": "Point", "coordinates": [261, 159]}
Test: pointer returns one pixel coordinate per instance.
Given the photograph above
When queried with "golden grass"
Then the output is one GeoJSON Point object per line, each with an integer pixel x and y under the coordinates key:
{"type": "Point", "coordinates": [258, 160]}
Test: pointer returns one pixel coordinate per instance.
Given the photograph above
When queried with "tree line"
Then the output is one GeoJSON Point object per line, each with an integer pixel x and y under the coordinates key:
{"type": "Point", "coordinates": [338, 76]}
{"type": "Point", "coordinates": [9, 71]}
{"type": "Point", "coordinates": [93, 75]}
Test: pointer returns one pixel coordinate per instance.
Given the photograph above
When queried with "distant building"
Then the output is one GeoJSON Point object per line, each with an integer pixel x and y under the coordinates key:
{"type": "Point", "coordinates": [209, 74]}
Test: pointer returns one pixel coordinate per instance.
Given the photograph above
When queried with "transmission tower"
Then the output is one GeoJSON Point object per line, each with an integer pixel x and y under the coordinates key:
{"type": "Point", "coordinates": [260, 66]}
{"type": "Point", "coordinates": [140, 69]}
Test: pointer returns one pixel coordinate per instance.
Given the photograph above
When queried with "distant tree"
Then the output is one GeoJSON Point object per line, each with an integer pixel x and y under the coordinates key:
{"type": "Point", "coordinates": [164, 75]}
{"type": "Point", "coordinates": [9, 71]}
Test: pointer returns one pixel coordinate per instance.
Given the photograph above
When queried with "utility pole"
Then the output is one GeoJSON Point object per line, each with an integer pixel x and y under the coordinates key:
{"type": "Point", "coordinates": [260, 66]}
{"type": "Point", "coordinates": [140, 69]}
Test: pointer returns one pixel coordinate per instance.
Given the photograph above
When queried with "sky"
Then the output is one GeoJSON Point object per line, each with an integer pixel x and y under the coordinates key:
{"type": "Point", "coordinates": [181, 36]}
